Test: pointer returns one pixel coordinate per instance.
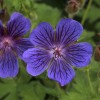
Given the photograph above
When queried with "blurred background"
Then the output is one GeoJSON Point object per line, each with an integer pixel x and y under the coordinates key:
{"type": "Point", "coordinates": [86, 84]}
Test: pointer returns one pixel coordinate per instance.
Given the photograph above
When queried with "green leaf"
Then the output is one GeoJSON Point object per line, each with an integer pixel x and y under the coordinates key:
{"type": "Point", "coordinates": [8, 89]}
{"type": "Point", "coordinates": [81, 88]}
{"type": "Point", "coordinates": [14, 5]}
{"type": "Point", "coordinates": [33, 90]}
{"type": "Point", "coordinates": [86, 35]}
{"type": "Point", "coordinates": [47, 13]}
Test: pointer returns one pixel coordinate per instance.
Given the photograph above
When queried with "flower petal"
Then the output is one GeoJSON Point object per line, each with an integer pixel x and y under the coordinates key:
{"type": "Point", "coordinates": [79, 55]}
{"type": "Point", "coordinates": [18, 25]}
{"type": "Point", "coordinates": [1, 29]}
{"type": "Point", "coordinates": [15, 15]}
{"type": "Point", "coordinates": [43, 35]}
{"type": "Point", "coordinates": [61, 72]}
{"type": "Point", "coordinates": [37, 60]}
{"type": "Point", "coordinates": [68, 31]}
{"type": "Point", "coordinates": [22, 45]}
{"type": "Point", "coordinates": [8, 64]}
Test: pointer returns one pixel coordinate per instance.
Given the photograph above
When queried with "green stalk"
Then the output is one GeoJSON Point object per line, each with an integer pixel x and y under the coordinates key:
{"type": "Point", "coordinates": [59, 90]}
{"type": "Point", "coordinates": [70, 16]}
{"type": "Point", "coordinates": [86, 12]}
{"type": "Point", "coordinates": [89, 80]}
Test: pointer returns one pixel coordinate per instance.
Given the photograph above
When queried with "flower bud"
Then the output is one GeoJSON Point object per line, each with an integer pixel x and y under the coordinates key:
{"type": "Point", "coordinates": [72, 7]}
{"type": "Point", "coordinates": [97, 53]}
{"type": "Point", "coordinates": [4, 16]}
{"type": "Point", "coordinates": [81, 3]}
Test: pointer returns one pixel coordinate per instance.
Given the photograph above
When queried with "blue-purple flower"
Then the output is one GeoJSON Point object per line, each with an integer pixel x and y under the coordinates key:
{"type": "Point", "coordinates": [57, 50]}
{"type": "Point", "coordinates": [12, 44]}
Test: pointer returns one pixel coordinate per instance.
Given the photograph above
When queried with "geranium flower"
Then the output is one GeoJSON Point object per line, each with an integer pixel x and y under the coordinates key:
{"type": "Point", "coordinates": [57, 50]}
{"type": "Point", "coordinates": [12, 44]}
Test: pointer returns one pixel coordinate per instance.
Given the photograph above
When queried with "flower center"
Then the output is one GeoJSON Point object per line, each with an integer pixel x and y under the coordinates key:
{"type": "Point", "coordinates": [7, 42]}
{"type": "Point", "coordinates": [57, 53]}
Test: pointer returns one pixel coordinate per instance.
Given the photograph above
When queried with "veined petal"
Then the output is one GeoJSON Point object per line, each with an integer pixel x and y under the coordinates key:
{"type": "Point", "coordinates": [61, 72]}
{"type": "Point", "coordinates": [18, 25]}
{"type": "Point", "coordinates": [37, 60]}
{"type": "Point", "coordinates": [79, 55]}
{"type": "Point", "coordinates": [1, 29]}
{"type": "Point", "coordinates": [8, 64]}
{"type": "Point", "coordinates": [68, 31]}
{"type": "Point", "coordinates": [22, 45]}
{"type": "Point", "coordinates": [15, 15]}
{"type": "Point", "coordinates": [43, 35]}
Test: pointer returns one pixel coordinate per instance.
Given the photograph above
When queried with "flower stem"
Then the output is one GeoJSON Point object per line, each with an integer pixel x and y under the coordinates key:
{"type": "Point", "coordinates": [89, 80]}
{"type": "Point", "coordinates": [70, 16]}
{"type": "Point", "coordinates": [59, 90]}
{"type": "Point", "coordinates": [86, 12]}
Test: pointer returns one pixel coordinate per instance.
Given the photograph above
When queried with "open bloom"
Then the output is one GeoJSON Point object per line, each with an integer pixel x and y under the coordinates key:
{"type": "Point", "coordinates": [12, 44]}
{"type": "Point", "coordinates": [57, 50]}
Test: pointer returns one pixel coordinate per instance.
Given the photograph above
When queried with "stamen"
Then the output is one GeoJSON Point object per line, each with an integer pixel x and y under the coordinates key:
{"type": "Point", "coordinates": [57, 53]}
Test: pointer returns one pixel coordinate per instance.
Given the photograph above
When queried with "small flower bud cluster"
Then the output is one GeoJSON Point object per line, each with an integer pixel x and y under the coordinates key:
{"type": "Point", "coordinates": [73, 6]}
